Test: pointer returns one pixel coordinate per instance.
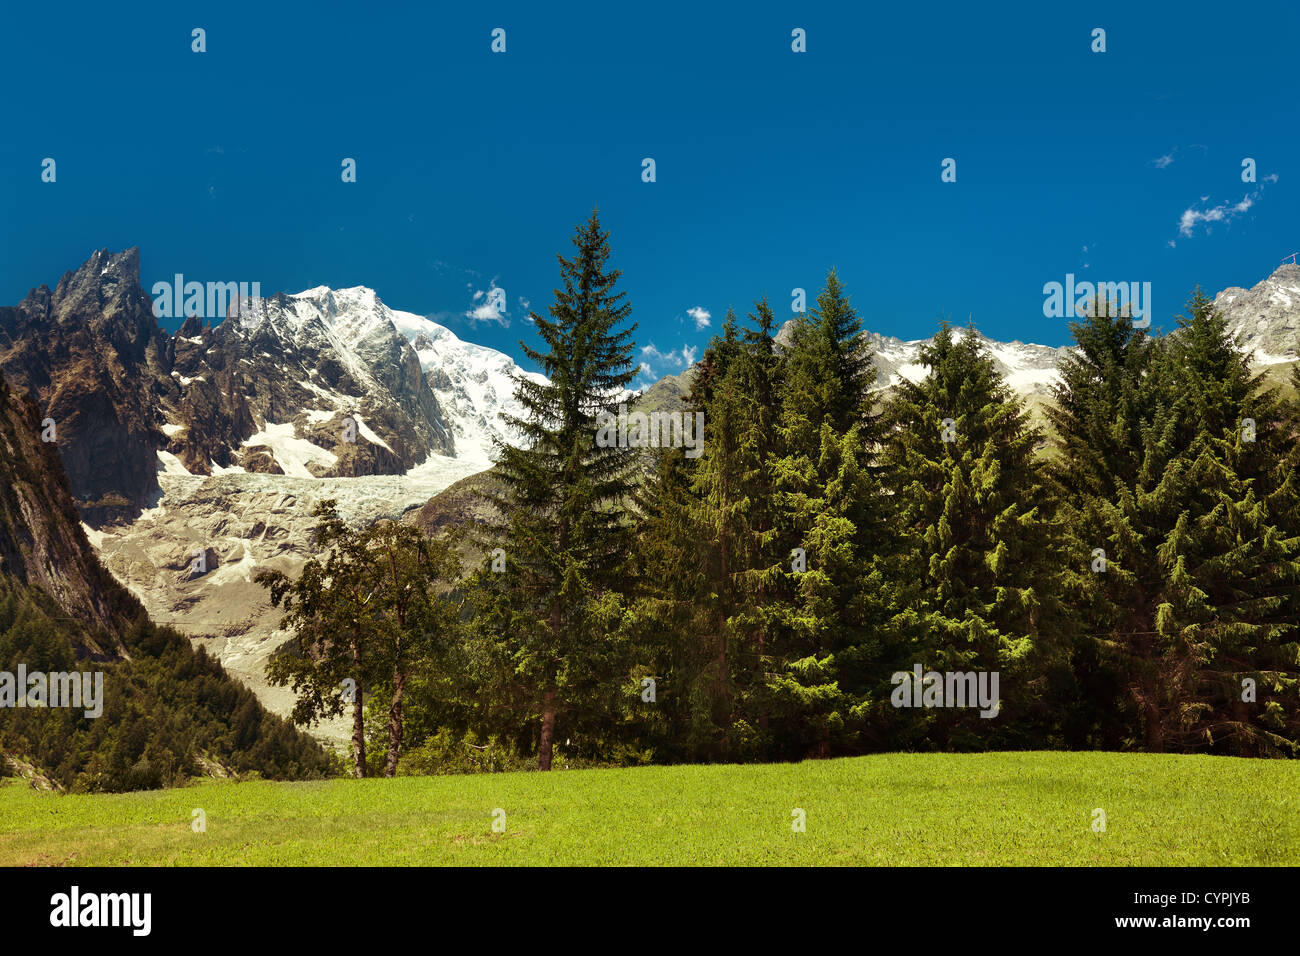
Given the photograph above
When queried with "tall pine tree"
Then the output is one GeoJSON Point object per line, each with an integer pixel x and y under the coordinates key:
{"type": "Point", "coordinates": [976, 567]}
{"type": "Point", "coordinates": [563, 532]}
{"type": "Point", "coordinates": [1195, 600]}
{"type": "Point", "coordinates": [1103, 405]}
{"type": "Point", "coordinates": [833, 532]}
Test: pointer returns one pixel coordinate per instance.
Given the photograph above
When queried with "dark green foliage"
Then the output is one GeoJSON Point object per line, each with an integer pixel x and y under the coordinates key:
{"type": "Point", "coordinates": [366, 616]}
{"type": "Point", "coordinates": [170, 712]}
{"type": "Point", "coordinates": [767, 646]}
{"type": "Point", "coordinates": [1172, 470]}
{"type": "Point", "coordinates": [1191, 497]}
{"type": "Point", "coordinates": [831, 510]}
{"type": "Point", "coordinates": [975, 559]}
{"type": "Point", "coordinates": [554, 616]}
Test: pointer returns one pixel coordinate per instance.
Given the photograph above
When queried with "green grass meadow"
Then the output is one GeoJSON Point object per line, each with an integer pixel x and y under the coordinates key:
{"type": "Point", "coordinates": [894, 809]}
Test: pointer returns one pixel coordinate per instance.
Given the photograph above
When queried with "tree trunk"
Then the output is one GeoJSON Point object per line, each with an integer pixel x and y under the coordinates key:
{"type": "Point", "coordinates": [547, 743]}
{"type": "Point", "coordinates": [720, 662]}
{"type": "Point", "coordinates": [358, 739]}
{"type": "Point", "coordinates": [1155, 729]}
{"type": "Point", "coordinates": [548, 731]}
{"type": "Point", "coordinates": [358, 720]}
{"type": "Point", "coordinates": [395, 725]}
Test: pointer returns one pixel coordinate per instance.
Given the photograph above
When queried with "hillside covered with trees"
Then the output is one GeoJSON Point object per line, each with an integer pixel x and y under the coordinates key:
{"type": "Point", "coordinates": [168, 712]}
{"type": "Point", "coordinates": [1129, 573]}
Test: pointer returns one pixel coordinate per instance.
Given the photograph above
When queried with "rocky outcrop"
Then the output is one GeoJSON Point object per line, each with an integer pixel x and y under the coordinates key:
{"type": "Point", "coordinates": [319, 384]}
{"type": "Point", "coordinates": [1267, 316]}
{"type": "Point", "coordinates": [91, 354]}
{"type": "Point", "coordinates": [42, 543]}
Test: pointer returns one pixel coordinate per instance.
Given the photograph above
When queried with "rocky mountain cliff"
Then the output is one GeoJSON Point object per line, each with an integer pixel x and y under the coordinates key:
{"type": "Point", "coordinates": [92, 353]}
{"type": "Point", "coordinates": [42, 545]}
{"type": "Point", "coordinates": [1267, 316]}
{"type": "Point", "coordinates": [198, 456]}
{"type": "Point", "coordinates": [318, 384]}
{"type": "Point", "coordinates": [162, 711]}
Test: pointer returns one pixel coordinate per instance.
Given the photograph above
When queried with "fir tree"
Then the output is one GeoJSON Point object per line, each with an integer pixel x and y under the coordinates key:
{"type": "Point", "coordinates": [1197, 598]}
{"type": "Point", "coordinates": [717, 488]}
{"type": "Point", "coordinates": [829, 498]}
{"type": "Point", "coordinates": [561, 494]}
{"type": "Point", "coordinates": [708, 540]}
{"type": "Point", "coordinates": [673, 615]}
{"type": "Point", "coordinates": [1104, 403]}
{"type": "Point", "coordinates": [975, 568]}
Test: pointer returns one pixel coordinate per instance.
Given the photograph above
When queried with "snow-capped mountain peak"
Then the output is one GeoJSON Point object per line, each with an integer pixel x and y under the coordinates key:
{"type": "Point", "coordinates": [471, 384]}
{"type": "Point", "coordinates": [474, 384]}
{"type": "Point", "coordinates": [1028, 369]}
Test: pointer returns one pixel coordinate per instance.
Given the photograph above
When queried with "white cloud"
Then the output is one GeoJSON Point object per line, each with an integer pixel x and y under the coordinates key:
{"type": "Point", "coordinates": [652, 353]}
{"type": "Point", "coordinates": [676, 359]}
{"type": "Point", "coordinates": [1223, 212]}
{"type": "Point", "coordinates": [1167, 160]}
{"type": "Point", "coordinates": [701, 317]}
{"type": "Point", "coordinates": [491, 307]}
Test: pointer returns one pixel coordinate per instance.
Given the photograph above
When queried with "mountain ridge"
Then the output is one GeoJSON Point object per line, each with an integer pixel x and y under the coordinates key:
{"type": "Point", "coordinates": [162, 711]}
{"type": "Point", "coordinates": [320, 383]}
{"type": "Point", "coordinates": [1266, 318]}
{"type": "Point", "coordinates": [239, 426]}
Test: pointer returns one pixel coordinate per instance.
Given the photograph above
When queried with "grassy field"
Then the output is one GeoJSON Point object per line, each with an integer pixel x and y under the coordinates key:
{"type": "Point", "coordinates": [897, 809]}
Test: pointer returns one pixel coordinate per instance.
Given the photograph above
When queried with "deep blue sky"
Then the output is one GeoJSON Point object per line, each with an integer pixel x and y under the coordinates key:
{"type": "Point", "coordinates": [772, 166]}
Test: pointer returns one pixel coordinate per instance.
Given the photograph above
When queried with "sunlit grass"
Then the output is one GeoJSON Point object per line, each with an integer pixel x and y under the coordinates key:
{"type": "Point", "coordinates": [896, 809]}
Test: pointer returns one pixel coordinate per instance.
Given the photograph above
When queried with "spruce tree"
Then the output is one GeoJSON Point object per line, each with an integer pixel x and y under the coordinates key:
{"type": "Point", "coordinates": [1197, 600]}
{"type": "Point", "coordinates": [976, 568]}
{"type": "Point", "coordinates": [560, 498]}
{"type": "Point", "coordinates": [830, 372]}
{"type": "Point", "coordinates": [831, 589]}
{"type": "Point", "coordinates": [673, 614]}
{"type": "Point", "coordinates": [760, 567]}
{"type": "Point", "coordinates": [719, 499]}
{"type": "Point", "coordinates": [708, 546]}
{"type": "Point", "coordinates": [1103, 405]}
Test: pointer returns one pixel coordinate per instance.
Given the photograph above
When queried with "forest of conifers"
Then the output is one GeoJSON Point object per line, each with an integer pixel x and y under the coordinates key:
{"type": "Point", "coordinates": [1128, 567]}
